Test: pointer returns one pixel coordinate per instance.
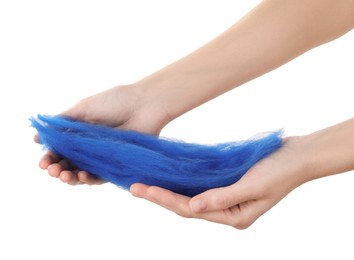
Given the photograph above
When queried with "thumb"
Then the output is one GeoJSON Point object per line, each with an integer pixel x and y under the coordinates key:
{"type": "Point", "coordinates": [76, 112]}
{"type": "Point", "coordinates": [221, 198]}
{"type": "Point", "coordinates": [72, 113]}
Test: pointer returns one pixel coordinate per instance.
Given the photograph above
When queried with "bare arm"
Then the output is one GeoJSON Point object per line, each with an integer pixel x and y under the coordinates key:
{"type": "Point", "coordinates": [273, 33]}
{"type": "Point", "coordinates": [331, 150]}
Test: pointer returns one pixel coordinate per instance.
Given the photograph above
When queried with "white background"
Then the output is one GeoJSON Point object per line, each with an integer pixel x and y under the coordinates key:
{"type": "Point", "coordinates": [53, 53]}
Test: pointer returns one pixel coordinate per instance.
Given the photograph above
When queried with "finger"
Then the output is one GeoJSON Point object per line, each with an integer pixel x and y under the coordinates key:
{"type": "Point", "coordinates": [75, 111]}
{"type": "Point", "coordinates": [89, 179]}
{"type": "Point", "coordinates": [222, 198]}
{"type": "Point", "coordinates": [165, 198]}
{"type": "Point", "coordinates": [36, 138]}
{"type": "Point", "coordinates": [138, 189]}
{"type": "Point", "coordinates": [55, 169]}
{"type": "Point", "coordinates": [249, 212]}
{"type": "Point", "coordinates": [69, 177]}
{"type": "Point", "coordinates": [48, 159]}
{"type": "Point", "coordinates": [240, 216]}
{"type": "Point", "coordinates": [177, 203]}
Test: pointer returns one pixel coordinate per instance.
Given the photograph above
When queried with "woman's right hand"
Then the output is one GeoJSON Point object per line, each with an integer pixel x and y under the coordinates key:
{"type": "Point", "coordinates": [126, 107]}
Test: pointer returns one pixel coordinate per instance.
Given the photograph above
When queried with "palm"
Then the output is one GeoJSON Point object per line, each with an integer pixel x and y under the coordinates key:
{"type": "Point", "coordinates": [119, 107]}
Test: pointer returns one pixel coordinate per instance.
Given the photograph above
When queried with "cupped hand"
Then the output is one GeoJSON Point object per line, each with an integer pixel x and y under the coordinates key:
{"type": "Point", "coordinates": [125, 107]}
{"type": "Point", "coordinates": [242, 203]}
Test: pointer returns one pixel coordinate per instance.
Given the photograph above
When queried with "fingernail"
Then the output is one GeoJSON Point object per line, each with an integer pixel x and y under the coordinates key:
{"type": "Point", "coordinates": [198, 205]}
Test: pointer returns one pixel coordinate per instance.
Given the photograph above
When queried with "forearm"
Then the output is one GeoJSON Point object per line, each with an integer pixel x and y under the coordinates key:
{"type": "Point", "coordinates": [329, 151]}
{"type": "Point", "coordinates": [272, 34]}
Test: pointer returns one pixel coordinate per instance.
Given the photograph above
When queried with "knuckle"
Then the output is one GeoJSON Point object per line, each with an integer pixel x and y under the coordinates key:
{"type": "Point", "coordinates": [83, 177]}
{"type": "Point", "coordinates": [241, 224]}
{"type": "Point", "coordinates": [184, 214]}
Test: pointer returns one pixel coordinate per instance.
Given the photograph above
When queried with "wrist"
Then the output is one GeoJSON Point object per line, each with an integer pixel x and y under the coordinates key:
{"type": "Point", "coordinates": [149, 108]}
{"type": "Point", "coordinates": [165, 93]}
{"type": "Point", "coordinates": [329, 151]}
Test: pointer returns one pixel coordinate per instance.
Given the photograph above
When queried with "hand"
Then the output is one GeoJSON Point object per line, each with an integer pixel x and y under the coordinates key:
{"type": "Point", "coordinates": [124, 107]}
{"type": "Point", "coordinates": [240, 204]}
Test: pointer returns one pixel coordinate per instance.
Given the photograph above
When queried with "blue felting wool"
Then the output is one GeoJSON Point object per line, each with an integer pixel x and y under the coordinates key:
{"type": "Point", "coordinates": [127, 157]}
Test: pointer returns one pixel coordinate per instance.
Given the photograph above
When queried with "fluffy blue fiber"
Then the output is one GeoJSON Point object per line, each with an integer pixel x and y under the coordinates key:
{"type": "Point", "coordinates": [127, 157]}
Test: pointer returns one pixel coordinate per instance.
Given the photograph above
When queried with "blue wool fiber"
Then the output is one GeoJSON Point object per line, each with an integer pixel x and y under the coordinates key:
{"type": "Point", "coordinates": [126, 157]}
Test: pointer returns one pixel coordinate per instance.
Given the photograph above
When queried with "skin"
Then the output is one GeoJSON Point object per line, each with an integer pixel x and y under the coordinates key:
{"type": "Point", "coordinates": [131, 112]}
{"type": "Point", "coordinates": [301, 159]}
{"type": "Point", "coordinates": [291, 27]}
